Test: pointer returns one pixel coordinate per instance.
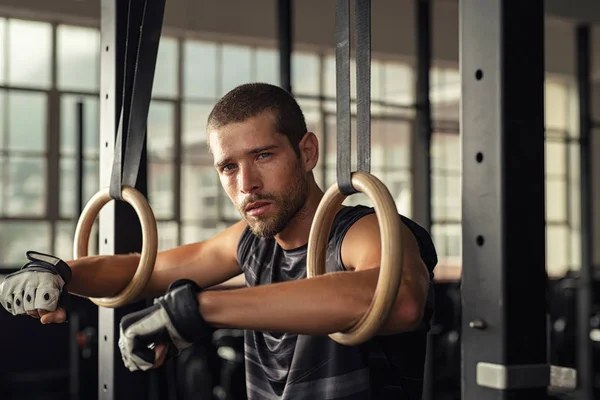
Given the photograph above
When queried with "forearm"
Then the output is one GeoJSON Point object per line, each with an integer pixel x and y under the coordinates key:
{"type": "Point", "coordinates": [326, 304]}
{"type": "Point", "coordinates": [101, 276]}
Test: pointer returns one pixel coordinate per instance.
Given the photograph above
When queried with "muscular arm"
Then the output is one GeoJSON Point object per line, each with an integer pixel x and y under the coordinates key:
{"type": "Point", "coordinates": [329, 303]}
{"type": "Point", "coordinates": [208, 263]}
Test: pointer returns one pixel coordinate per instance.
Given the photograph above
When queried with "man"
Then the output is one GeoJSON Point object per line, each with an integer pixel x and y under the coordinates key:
{"type": "Point", "coordinates": [264, 157]}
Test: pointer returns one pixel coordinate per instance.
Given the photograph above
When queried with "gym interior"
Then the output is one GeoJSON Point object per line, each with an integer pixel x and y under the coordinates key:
{"type": "Point", "coordinates": [50, 163]}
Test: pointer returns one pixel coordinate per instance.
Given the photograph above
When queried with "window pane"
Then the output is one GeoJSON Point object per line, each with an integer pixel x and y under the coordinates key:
{"type": "Point", "coordinates": [398, 83]}
{"type": "Point", "coordinates": [3, 184]}
{"type": "Point", "coordinates": [557, 239]}
{"type": "Point", "coordinates": [29, 53]}
{"type": "Point", "coordinates": [191, 233]}
{"type": "Point", "coordinates": [329, 82]}
{"type": "Point", "coordinates": [69, 130]}
{"type": "Point", "coordinates": [399, 185]}
{"type": "Point", "coordinates": [305, 73]}
{"type": "Point", "coordinates": [556, 104]}
{"type": "Point", "coordinates": [556, 200]}
{"type": "Point", "coordinates": [161, 188]}
{"type": "Point", "coordinates": [166, 72]}
{"type": "Point", "coordinates": [447, 238]}
{"type": "Point", "coordinates": [267, 66]}
{"type": "Point", "coordinates": [396, 143]}
{"type": "Point", "coordinates": [199, 185]}
{"type": "Point", "coordinates": [556, 160]}
{"type": "Point", "coordinates": [27, 123]}
{"type": "Point", "coordinates": [78, 58]}
{"type": "Point", "coordinates": [446, 151]}
{"type": "Point", "coordinates": [65, 234]}
{"type": "Point", "coordinates": [193, 134]}
{"type": "Point", "coordinates": [2, 51]}
{"type": "Point", "coordinates": [3, 136]}
{"type": "Point", "coordinates": [167, 235]}
{"type": "Point", "coordinates": [68, 185]}
{"type": "Point", "coordinates": [26, 190]}
{"type": "Point", "coordinates": [16, 238]}
{"type": "Point", "coordinates": [199, 69]}
{"type": "Point", "coordinates": [438, 196]}
{"type": "Point", "coordinates": [236, 67]}
{"type": "Point", "coordinates": [161, 136]}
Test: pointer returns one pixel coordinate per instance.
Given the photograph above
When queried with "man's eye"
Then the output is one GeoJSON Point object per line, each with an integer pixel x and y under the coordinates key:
{"type": "Point", "coordinates": [264, 155]}
{"type": "Point", "coordinates": [228, 167]}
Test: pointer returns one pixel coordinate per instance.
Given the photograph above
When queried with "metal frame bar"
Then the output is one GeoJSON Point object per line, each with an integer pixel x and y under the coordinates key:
{"type": "Point", "coordinates": [119, 227]}
{"type": "Point", "coordinates": [285, 41]}
{"type": "Point", "coordinates": [502, 125]}
{"type": "Point", "coordinates": [585, 362]}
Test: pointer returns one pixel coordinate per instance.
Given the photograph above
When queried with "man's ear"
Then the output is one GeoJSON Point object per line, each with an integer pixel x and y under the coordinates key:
{"type": "Point", "coordinates": [309, 151]}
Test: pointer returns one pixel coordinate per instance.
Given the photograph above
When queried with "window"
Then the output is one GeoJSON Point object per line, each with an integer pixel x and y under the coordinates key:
{"type": "Point", "coordinates": [199, 70]}
{"type": "Point", "coordinates": [167, 68]}
{"type": "Point", "coordinates": [236, 67]}
{"type": "Point", "coordinates": [29, 53]}
{"type": "Point", "coordinates": [78, 58]}
{"type": "Point", "coordinates": [267, 66]}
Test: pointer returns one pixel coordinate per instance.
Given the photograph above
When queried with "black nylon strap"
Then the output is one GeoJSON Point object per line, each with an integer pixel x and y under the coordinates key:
{"type": "Point", "coordinates": [342, 77]}
{"type": "Point", "coordinates": [363, 72]}
{"type": "Point", "coordinates": [143, 36]}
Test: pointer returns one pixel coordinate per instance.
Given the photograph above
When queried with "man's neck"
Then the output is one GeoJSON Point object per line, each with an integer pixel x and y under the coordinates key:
{"type": "Point", "coordinates": [298, 230]}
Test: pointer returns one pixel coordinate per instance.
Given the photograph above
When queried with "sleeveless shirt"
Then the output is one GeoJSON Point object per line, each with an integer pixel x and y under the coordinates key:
{"type": "Point", "coordinates": [282, 366]}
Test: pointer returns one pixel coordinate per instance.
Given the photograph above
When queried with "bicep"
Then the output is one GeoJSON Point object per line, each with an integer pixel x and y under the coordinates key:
{"type": "Point", "coordinates": [208, 263]}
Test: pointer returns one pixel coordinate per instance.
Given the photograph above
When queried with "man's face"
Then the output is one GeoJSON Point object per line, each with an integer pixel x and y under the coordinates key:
{"type": "Point", "coordinates": [261, 173]}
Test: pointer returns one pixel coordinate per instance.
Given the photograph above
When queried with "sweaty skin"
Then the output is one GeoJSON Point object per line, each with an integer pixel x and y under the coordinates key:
{"type": "Point", "coordinates": [276, 194]}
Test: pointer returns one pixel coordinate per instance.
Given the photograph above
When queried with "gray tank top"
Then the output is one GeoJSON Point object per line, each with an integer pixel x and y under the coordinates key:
{"type": "Point", "coordinates": [283, 366]}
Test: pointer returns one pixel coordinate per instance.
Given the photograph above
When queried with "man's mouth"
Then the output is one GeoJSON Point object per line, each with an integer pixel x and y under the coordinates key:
{"type": "Point", "coordinates": [257, 208]}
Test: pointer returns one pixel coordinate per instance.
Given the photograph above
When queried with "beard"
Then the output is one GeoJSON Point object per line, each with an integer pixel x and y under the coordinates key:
{"type": "Point", "coordinates": [288, 206]}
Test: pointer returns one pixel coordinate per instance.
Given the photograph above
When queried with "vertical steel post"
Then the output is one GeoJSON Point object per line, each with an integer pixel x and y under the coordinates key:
{"type": "Point", "coordinates": [119, 227]}
{"type": "Point", "coordinates": [284, 37]}
{"type": "Point", "coordinates": [503, 218]}
{"type": "Point", "coordinates": [585, 366]}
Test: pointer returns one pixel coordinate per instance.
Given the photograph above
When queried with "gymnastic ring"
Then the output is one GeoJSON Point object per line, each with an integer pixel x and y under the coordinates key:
{"type": "Point", "coordinates": [390, 272]}
{"type": "Point", "coordinates": [149, 242]}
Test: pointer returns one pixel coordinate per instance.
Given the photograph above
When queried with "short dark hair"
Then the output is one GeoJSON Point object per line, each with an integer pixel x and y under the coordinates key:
{"type": "Point", "coordinates": [252, 99]}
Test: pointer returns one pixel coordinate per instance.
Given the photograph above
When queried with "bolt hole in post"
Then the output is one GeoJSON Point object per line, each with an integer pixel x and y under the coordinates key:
{"type": "Point", "coordinates": [479, 157]}
{"type": "Point", "coordinates": [480, 240]}
{"type": "Point", "coordinates": [479, 74]}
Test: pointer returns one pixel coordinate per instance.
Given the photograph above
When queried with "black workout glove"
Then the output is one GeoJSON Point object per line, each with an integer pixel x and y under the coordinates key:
{"type": "Point", "coordinates": [174, 320]}
{"type": "Point", "coordinates": [38, 285]}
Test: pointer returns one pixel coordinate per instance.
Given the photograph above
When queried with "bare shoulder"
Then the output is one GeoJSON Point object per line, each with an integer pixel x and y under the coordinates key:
{"type": "Point", "coordinates": [361, 248]}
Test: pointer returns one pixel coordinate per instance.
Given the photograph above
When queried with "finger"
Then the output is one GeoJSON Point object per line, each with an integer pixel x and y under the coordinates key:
{"type": "Point", "coordinates": [29, 298]}
{"type": "Point", "coordinates": [18, 303]}
{"type": "Point", "coordinates": [46, 297]}
{"type": "Point", "coordinates": [34, 314]}
{"type": "Point", "coordinates": [161, 355]}
{"type": "Point", "coordinates": [55, 317]}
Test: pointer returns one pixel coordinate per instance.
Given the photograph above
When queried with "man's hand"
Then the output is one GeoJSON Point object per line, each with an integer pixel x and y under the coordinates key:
{"type": "Point", "coordinates": [38, 288]}
{"type": "Point", "coordinates": [173, 324]}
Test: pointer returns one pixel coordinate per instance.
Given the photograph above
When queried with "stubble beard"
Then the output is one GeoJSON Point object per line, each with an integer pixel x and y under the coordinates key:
{"type": "Point", "coordinates": [288, 206]}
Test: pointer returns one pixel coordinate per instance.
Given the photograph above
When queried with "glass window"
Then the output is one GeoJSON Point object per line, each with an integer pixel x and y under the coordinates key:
{"type": "Point", "coordinates": [63, 241]}
{"type": "Point", "coordinates": [557, 247]}
{"type": "Point", "coordinates": [329, 78]}
{"type": "Point", "coordinates": [167, 71]}
{"type": "Point", "coordinates": [556, 104]}
{"type": "Point", "coordinates": [399, 85]}
{"type": "Point", "coordinates": [199, 188]}
{"type": "Point", "coordinates": [17, 237]}
{"type": "Point", "coordinates": [29, 53]}
{"type": "Point", "coordinates": [26, 186]}
{"type": "Point", "coordinates": [2, 51]}
{"type": "Point", "coordinates": [78, 58]}
{"type": "Point", "coordinates": [28, 121]}
{"type": "Point", "coordinates": [69, 120]}
{"type": "Point", "coordinates": [193, 135]}
{"type": "Point", "coordinates": [236, 66]}
{"type": "Point", "coordinates": [168, 235]}
{"type": "Point", "coordinates": [69, 189]}
{"type": "Point", "coordinates": [161, 188]}
{"type": "Point", "coordinates": [306, 73]}
{"type": "Point", "coordinates": [3, 136]}
{"type": "Point", "coordinates": [191, 233]}
{"type": "Point", "coordinates": [161, 135]}
{"type": "Point", "coordinates": [556, 200]}
{"type": "Point", "coordinates": [199, 69]}
{"type": "Point", "coordinates": [556, 158]}
{"type": "Point", "coordinates": [267, 66]}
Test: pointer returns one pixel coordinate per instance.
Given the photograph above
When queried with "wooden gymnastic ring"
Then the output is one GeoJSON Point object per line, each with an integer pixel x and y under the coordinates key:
{"type": "Point", "coordinates": [149, 242]}
{"type": "Point", "coordinates": [390, 273]}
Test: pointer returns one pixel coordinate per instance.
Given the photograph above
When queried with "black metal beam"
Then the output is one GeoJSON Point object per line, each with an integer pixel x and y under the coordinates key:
{"type": "Point", "coordinates": [120, 231]}
{"type": "Point", "coordinates": [502, 126]}
{"type": "Point", "coordinates": [284, 36]}
{"type": "Point", "coordinates": [585, 366]}
{"type": "Point", "coordinates": [421, 155]}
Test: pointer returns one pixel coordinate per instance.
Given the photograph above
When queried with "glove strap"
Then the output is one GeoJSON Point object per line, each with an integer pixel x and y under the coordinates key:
{"type": "Point", "coordinates": [50, 262]}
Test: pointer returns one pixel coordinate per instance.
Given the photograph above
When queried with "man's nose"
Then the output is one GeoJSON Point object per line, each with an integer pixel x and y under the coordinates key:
{"type": "Point", "coordinates": [250, 181]}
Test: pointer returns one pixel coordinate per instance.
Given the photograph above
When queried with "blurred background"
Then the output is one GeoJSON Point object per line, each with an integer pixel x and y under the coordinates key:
{"type": "Point", "coordinates": [50, 61]}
